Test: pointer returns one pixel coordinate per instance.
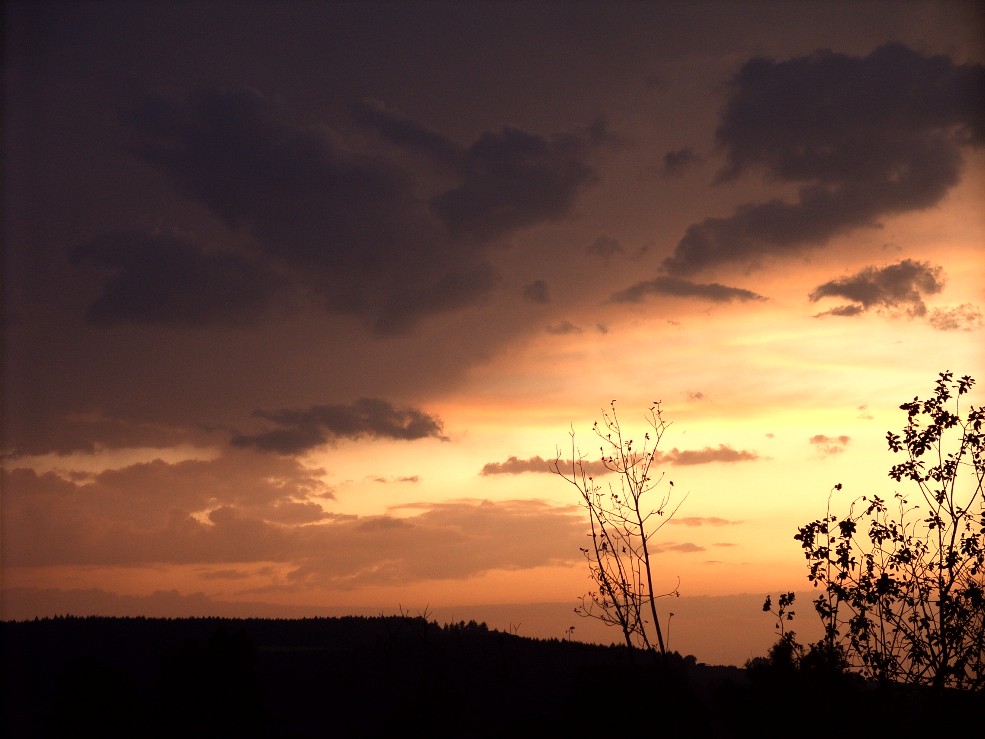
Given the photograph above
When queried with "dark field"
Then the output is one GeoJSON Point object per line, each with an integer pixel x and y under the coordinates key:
{"type": "Point", "coordinates": [393, 677]}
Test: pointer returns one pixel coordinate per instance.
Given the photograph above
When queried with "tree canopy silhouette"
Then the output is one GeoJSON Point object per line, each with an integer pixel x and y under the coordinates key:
{"type": "Point", "coordinates": [902, 581]}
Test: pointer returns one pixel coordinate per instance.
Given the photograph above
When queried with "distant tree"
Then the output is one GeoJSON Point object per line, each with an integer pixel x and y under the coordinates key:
{"type": "Point", "coordinates": [792, 663]}
{"type": "Point", "coordinates": [903, 582]}
{"type": "Point", "coordinates": [624, 518]}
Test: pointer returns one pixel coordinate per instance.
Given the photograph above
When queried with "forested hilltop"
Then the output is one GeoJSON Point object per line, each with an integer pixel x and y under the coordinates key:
{"type": "Point", "coordinates": [388, 676]}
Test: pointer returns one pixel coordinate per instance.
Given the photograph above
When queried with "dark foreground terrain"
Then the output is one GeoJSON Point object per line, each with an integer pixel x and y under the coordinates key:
{"type": "Point", "coordinates": [393, 677]}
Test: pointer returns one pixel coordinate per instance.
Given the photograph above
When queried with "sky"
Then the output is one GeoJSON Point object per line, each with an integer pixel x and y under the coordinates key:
{"type": "Point", "coordinates": [301, 299]}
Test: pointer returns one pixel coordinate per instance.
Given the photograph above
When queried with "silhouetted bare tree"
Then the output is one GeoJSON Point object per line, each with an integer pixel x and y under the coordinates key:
{"type": "Point", "coordinates": [624, 518]}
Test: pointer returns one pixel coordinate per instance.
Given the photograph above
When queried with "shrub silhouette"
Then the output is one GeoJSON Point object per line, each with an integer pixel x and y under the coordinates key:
{"type": "Point", "coordinates": [902, 582]}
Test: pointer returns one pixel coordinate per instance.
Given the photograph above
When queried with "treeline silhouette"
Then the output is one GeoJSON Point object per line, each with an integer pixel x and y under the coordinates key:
{"type": "Point", "coordinates": [390, 676]}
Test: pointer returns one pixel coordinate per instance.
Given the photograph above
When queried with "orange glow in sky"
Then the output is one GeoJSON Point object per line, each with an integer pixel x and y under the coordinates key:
{"type": "Point", "coordinates": [297, 333]}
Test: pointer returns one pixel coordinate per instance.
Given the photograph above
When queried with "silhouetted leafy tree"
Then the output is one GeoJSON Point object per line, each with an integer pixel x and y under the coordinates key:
{"type": "Point", "coordinates": [903, 582]}
{"type": "Point", "coordinates": [786, 654]}
{"type": "Point", "coordinates": [790, 662]}
{"type": "Point", "coordinates": [623, 521]}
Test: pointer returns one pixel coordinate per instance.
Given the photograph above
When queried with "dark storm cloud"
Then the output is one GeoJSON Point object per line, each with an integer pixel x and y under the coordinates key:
{"type": "Point", "coordinates": [344, 224]}
{"type": "Point", "coordinates": [400, 130]}
{"type": "Point", "coordinates": [308, 200]}
{"type": "Point", "coordinates": [301, 430]}
{"type": "Point", "coordinates": [864, 138]}
{"type": "Point", "coordinates": [605, 247]}
{"type": "Point", "coordinates": [163, 278]}
{"type": "Point", "coordinates": [512, 178]}
{"type": "Point", "coordinates": [537, 292]}
{"type": "Point", "coordinates": [456, 288]}
{"type": "Point", "coordinates": [681, 288]}
{"type": "Point", "coordinates": [351, 227]}
{"type": "Point", "coordinates": [898, 286]}
{"type": "Point", "coordinates": [675, 162]}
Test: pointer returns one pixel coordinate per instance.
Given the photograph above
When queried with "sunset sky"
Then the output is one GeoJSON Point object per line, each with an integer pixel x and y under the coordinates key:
{"type": "Point", "coordinates": [300, 298]}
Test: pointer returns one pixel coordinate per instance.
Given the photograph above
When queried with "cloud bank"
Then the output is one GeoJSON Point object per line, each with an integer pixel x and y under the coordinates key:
{"type": "Point", "coordinates": [325, 217]}
{"type": "Point", "coordinates": [862, 137]}
{"type": "Point", "coordinates": [247, 509]}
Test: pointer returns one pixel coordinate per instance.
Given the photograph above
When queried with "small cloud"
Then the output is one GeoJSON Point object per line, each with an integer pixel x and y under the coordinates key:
{"type": "Point", "coordinates": [537, 292]}
{"type": "Point", "coordinates": [863, 413]}
{"type": "Point", "coordinates": [708, 455]}
{"type": "Point", "coordinates": [896, 287]}
{"type": "Point", "coordinates": [302, 429]}
{"type": "Point", "coordinates": [694, 396]}
{"type": "Point", "coordinates": [830, 444]}
{"type": "Point", "coordinates": [601, 328]}
{"type": "Point", "coordinates": [564, 327]}
{"type": "Point", "coordinates": [227, 574]}
{"type": "Point", "coordinates": [516, 466]}
{"type": "Point", "coordinates": [681, 288]}
{"type": "Point", "coordinates": [693, 521]}
{"type": "Point", "coordinates": [965, 317]}
{"type": "Point", "coordinates": [684, 548]}
{"type": "Point", "coordinates": [843, 310]}
{"type": "Point", "coordinates": [605, 247]}
{"type": "Point", "coordinates": [675, 162]}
